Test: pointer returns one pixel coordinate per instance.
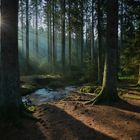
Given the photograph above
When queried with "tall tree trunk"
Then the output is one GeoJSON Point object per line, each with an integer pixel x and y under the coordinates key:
{"type": "Point", "coordinates": [36, 24]}
{"type": "Point", "coordinates": [50, 45]}
{"type": "Point", "coordinates": [69, 18]}
{"type": "Point", "coordinates": [92, 34]}
{"type": "Point", "coordinates": [63, 35]}
{"type": "Point", "coordinates": [86, 26]}
{"type": "Point", "coordinates": [99, 28]}
{"type": "Point", "coordinates": [109, 86]}
{"type": "Point", "coordinates": [82, 32]}
{"type": "Point", "coordinates": [121, 32]}
{"type": "Point", "coordinates": [77, 47]}
{"type": "Point", "coordinates": [27, 35]}
{"type": "Point", "coordinates": [121, 24]}
{"type": "Point", "coordinates": [53, 40]}
{"type": "Point", "coordinates": [34, 39]}
{"type": "Point", "coordinates": [48, 29]}
{"type": "Point", "coordinates": [10, 99]}
{"type": "Point", "coordinates": [22, 27]}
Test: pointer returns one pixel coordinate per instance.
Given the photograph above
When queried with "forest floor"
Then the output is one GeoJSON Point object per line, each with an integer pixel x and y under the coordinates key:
{"type": "Point", "coordinates": [71, 119]}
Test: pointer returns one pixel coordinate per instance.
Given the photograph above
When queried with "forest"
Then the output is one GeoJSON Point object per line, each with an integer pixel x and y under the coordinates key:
{"type": "Point", "coordinates": [70, 69]}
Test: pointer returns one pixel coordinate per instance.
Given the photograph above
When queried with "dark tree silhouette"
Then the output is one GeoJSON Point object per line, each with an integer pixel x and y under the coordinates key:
{"type": "Point", "coordinates": [10, 99]}
{"type": "Point", "coordinates": [109, 86]}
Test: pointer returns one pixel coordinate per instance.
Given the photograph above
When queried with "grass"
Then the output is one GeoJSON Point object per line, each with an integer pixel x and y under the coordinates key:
{"type": "Point", "coordinates": [28, 88]}
{"type": "Point", "coordinates": [126, 77]}
{"type": "Point", "coordinates": [87, 89]}
{"type": "Point", "coordinates": [131, 96]}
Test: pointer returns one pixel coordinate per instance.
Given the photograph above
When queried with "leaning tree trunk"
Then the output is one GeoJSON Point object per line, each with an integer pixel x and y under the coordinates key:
{"type": "Point", "coordinates": [109, 86]}
{"type": "Point", "coordinates": [10, 99]}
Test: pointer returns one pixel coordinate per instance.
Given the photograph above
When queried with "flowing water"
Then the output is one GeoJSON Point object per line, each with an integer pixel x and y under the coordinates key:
{"type": "Point", "coordinates": [44, 95]}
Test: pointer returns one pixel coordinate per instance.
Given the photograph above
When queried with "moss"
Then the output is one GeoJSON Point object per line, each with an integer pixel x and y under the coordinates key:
{"type": "Point", "coordinates": [28, 88]}
{"type": "Point", "coordinates": [31, 108]}
{"type": "Point", "coordinates": [135, 97]}
{"type": "Point", "coordinates": [105, 96]}
{"type": "Point", "coordinates": [126, 77]}
{"type": "Point", "coordinates": [87, 89]}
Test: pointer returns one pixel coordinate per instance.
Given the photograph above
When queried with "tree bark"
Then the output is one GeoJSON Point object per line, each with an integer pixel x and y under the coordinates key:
{"type": "Point", "coordinates": [63, 35]}
{"type": "Point", "coordinates": [48, 29]}
{"type": "Point", "coordinates": [82, 32]}
{"type": "Point", "coordinates": [109, 87]}
{"type": "Point", "coordinates": [22, 26]}
{"type": "Point", "coordinates": [53, 43]}
{"type": "Point", "coordinates": [92, 34]}
{"type": "Point", "coordinates": [10, 99]}
{"type": "Point", "coordinates": [36, 24]}
{"type": "Point", "coordinates": [27, 35]}
{"type": "Point", "coordinates": [99, 28]}
{"type": "Point", "coordinates": [50, 45]}
{"type": "Point", "coordinates": [69, 18]}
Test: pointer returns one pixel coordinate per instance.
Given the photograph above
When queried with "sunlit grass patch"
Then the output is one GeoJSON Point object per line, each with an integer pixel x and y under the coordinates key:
{"type": "Point", "coordinates": [131, 96]}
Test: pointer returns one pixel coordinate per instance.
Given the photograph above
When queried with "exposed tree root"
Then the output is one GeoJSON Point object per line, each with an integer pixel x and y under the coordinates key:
{"type": "Point", "coordinates": [104, 98]}
{"type": "Point", "coordinates": [138, 84]}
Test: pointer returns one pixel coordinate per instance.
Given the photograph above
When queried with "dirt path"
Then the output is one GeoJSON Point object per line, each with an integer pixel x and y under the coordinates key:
{"type": "Point", "coordinates": [71, 120]}
{"type": "Point", "coordinates": [63, 126]}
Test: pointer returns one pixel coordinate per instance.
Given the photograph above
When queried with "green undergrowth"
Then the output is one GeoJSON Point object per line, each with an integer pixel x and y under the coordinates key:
{"type": "Point", "coordinates": [90, 89]}
{"type": "Point", "coordinates": [87, 89]}
{"type": "Point", "coordinates": [29, 108]}
{"type": "Point", "coordinates": [126, 77]}
{"type": "Point", "coordinates": [131, 96]}
{"type": "Point", "coordinates": [28, 88]}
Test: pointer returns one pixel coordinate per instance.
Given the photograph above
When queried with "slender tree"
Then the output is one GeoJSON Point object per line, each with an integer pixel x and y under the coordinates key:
{"type": "Point", "coordinates": [53, 40]}
{"type": "Point", "coordinates": [27, 35]}
{"type": "Point", "coordinates": [92, 32]}
{"type": "Point", "coordinates": [50, 34]}
{"type": "Point", "coordinates": [22, 24]}
{"type": "Point", "coordinates": [82, 32]}
{"type": "Point", "coordinates": [63, 33]}
{"type": "Point", "coordinates": [99, 28]}
{"type": "Point", "coordinates": [36, 24]}
{"type": "Point", "coordinates": [69, 18]}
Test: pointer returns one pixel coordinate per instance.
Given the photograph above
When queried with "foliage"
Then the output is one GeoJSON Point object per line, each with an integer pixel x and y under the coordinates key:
{"type": "Point", "coordinates": [87, 89]}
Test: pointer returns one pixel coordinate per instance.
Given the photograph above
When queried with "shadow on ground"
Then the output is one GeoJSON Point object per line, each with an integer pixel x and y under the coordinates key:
{"type": "Point", "coordinates": [124, 105]}
{"type": "Point", "coordinates": [27, 130]}
{"type": "Point", "coordinates": [63, 126]}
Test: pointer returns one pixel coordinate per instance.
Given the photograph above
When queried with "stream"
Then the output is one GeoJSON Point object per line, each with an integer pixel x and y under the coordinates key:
{"type": "Point", "coordinates": [44, 95]}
